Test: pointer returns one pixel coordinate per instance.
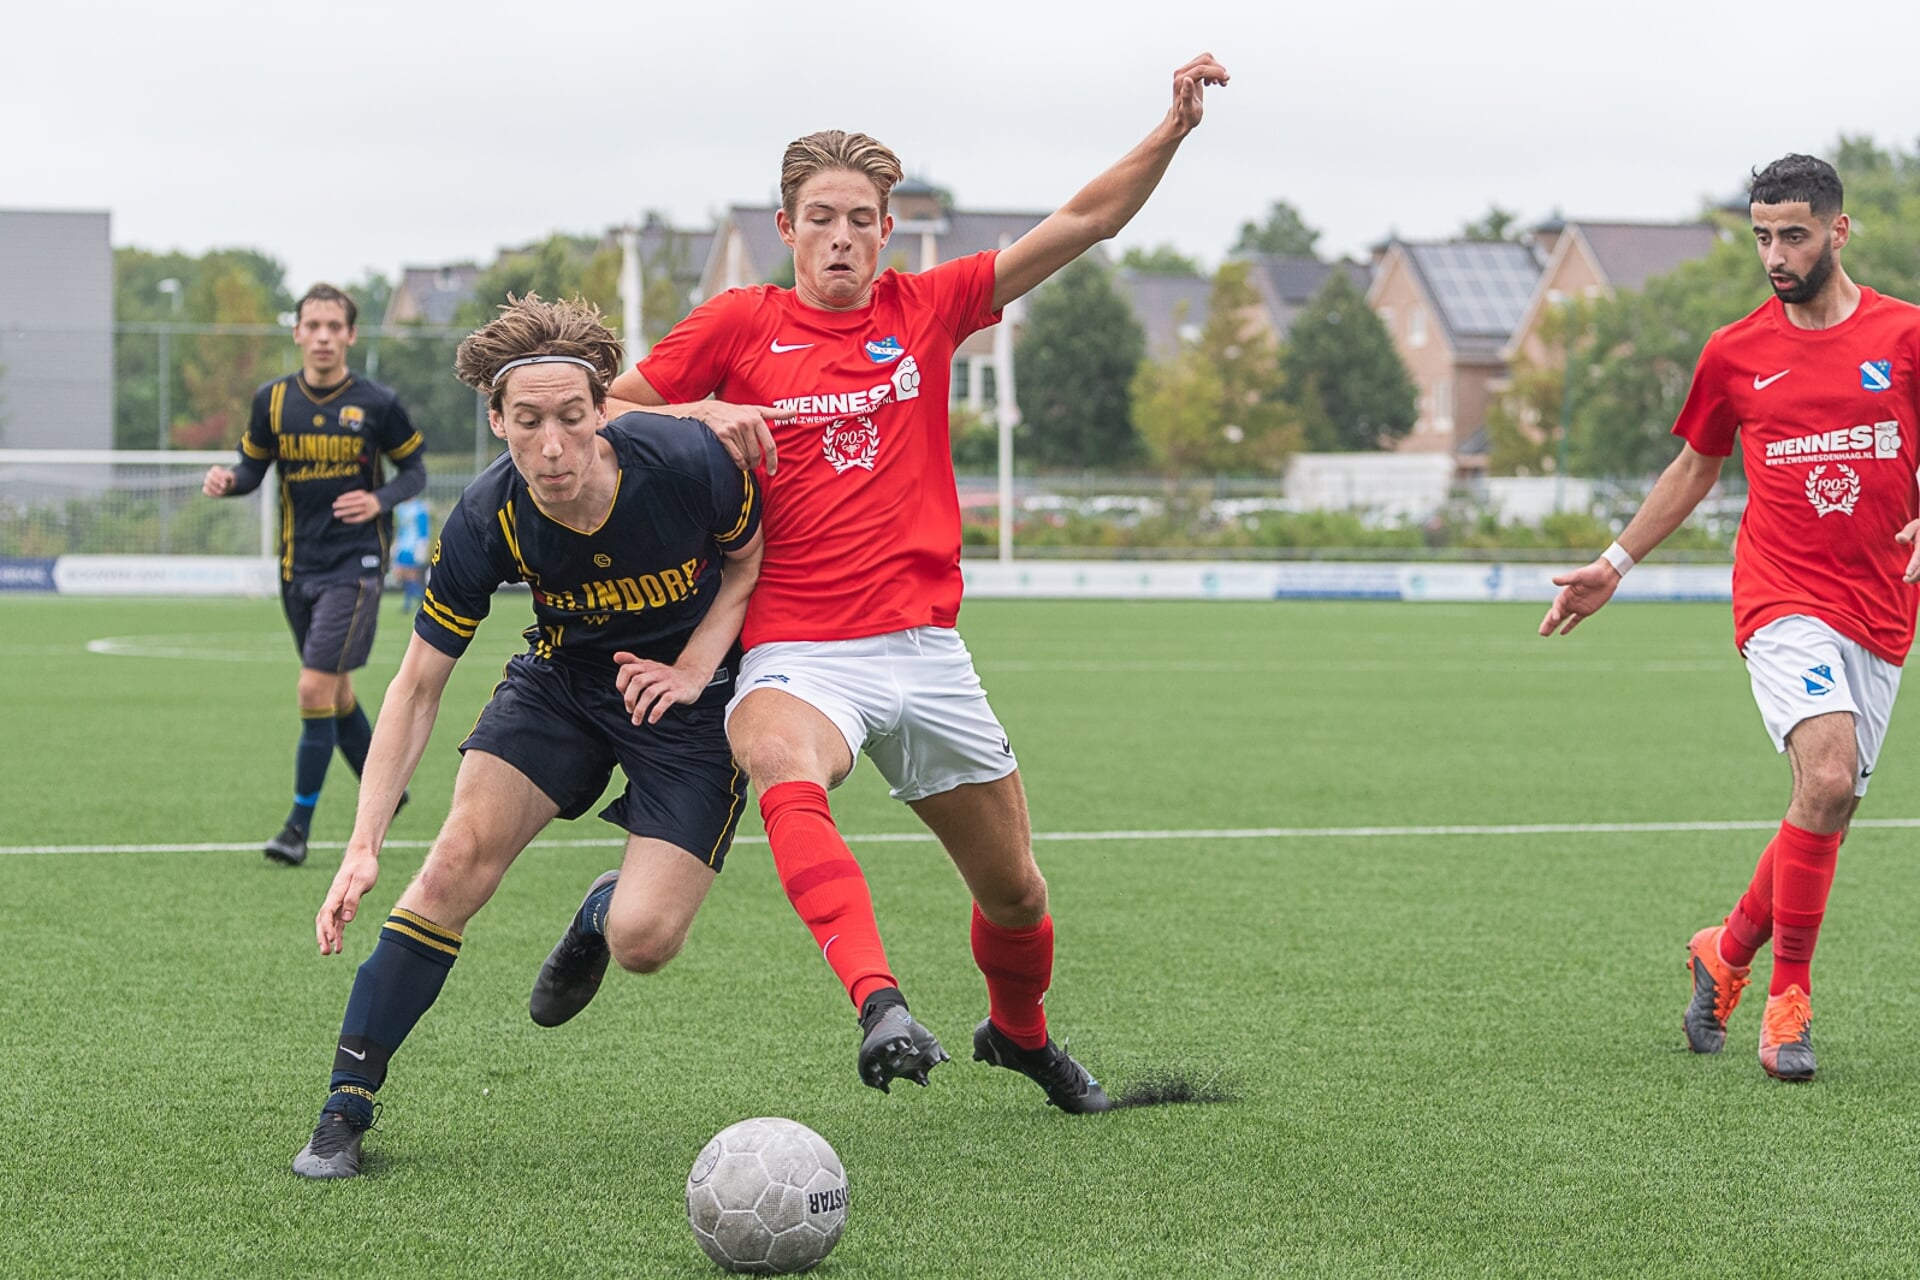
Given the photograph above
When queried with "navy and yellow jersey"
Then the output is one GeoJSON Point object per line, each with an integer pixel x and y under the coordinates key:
{"type": "Point", "coordinates": [640, 582]}
{"type": "Point", "coordinates": [328, 443]}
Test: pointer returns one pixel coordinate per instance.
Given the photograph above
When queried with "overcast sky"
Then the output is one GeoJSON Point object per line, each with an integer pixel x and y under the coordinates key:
{"type": "Point", "coordinates": [346, 137]}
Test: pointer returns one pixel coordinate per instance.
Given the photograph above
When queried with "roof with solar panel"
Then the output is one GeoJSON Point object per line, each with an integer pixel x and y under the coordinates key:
{"type": "Point", "coordinates": [1481, 289]}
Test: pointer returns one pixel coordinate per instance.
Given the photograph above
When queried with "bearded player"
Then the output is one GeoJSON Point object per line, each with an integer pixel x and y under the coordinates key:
{"type": "Point", "coordinates": [850, 632]}
{"type": "Point", "coordinates": [1821, 389]}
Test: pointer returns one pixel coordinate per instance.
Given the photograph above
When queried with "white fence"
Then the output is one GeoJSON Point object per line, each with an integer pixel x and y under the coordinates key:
{"type": "Point", "coordinates": [1319, 579]}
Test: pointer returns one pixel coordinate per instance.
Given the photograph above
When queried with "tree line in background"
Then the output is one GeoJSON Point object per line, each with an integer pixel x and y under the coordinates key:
{"type": "Point", "coordinates": [1632, 354]}
{"type": "Point", "coordinates": [1233, 400]}
{"type": "Point", "coordinates": [212, 375]}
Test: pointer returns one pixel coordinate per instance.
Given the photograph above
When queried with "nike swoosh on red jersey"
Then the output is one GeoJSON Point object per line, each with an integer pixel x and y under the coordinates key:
{"type": "Point", "coordinates": [792, 346]}
{"type": "Point", "coordinates": [1761, 384]}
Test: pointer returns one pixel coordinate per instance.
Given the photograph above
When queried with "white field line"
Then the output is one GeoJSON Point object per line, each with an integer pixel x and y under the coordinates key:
{"type": "Point", "coordinates": [261, 647]}
{"type": "Point", "coordinates": [1083, 837]}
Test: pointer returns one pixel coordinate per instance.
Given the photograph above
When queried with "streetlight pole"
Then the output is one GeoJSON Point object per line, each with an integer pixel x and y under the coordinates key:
{"type": "Point", "coordinates": [1566, 425]}
{"type": "Point", "coordinates": [170, 287]}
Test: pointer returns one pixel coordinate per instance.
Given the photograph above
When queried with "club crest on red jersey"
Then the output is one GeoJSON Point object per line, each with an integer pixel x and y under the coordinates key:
{"type": "Point", "coordinates": [1831, 493]}
{"type": "Point", "coordinates": [851, 442]}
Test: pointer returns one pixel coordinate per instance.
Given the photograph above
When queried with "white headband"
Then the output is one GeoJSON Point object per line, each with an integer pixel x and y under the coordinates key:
{"type": "Point", "coordinates": [511, 365]}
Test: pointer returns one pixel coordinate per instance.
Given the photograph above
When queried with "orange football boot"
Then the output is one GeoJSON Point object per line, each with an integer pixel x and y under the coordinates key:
{"type": "Point", "coordinates": [1786, 1036]}
{"type": "Point", "coordinates": [1716, 991]}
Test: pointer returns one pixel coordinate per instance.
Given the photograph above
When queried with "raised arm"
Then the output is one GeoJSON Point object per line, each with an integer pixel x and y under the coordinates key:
{"type": "Point", "coordinates": [399, 740]}
{"type": "Point", "coordinates": [1109, 202]}
{"type": "Point", "coordinates": [1687, 479]}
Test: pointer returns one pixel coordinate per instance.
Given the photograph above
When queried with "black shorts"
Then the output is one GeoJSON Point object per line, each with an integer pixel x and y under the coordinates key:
{"type": "Point", "coordinates": [565, 729]}
{"type": "Point", "coordinates": [333, 622]}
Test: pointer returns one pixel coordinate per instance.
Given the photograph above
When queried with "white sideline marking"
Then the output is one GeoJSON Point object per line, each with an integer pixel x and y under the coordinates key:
{"type": "Point", "coordinates": [1361, 666]}
{"type": "Point", "coordinates": [1081, 837]}
{"type": "Point", "coordinates": [262, 647]}
{"type": "Point", "coordinates": [219, 647]}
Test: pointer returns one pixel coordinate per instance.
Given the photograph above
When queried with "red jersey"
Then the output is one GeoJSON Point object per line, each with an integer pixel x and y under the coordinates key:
{"type": "Point", "coordinates": [862, 521]}
{"type": "Point", "coordinates": [1827, 420]}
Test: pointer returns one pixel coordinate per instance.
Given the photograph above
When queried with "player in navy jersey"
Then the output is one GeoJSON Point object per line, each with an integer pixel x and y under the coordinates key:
{"type": "Point", "coordinates": [621, 532]}
{"type": "Point", "coordinates": [327, 430]}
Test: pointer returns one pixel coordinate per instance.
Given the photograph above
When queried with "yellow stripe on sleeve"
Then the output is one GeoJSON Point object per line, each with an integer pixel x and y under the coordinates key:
{"type": "Point", "coordinates": [437, 612]}
{"type": "Point", "coordinates": [407, 448]}
{"type": "Point", "coordinates": [746, 514]}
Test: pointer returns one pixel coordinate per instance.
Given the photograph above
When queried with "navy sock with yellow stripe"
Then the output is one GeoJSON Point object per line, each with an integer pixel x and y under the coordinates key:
{"type": "Point", "coordinates": [396, 985]}
{"type": "Point", "coordinates": [355, 736]}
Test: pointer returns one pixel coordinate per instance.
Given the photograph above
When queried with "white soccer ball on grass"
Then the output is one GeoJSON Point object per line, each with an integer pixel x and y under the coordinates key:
{"type": "Point", "coordinates": [767, 1196]}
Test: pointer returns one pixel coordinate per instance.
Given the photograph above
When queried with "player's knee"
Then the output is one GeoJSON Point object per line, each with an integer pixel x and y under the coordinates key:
{"type": "Point", "coordinates": [1822, 803]}
{"type": "Point", "coordinates": [1828, 787]}
{"type": "Point", "coordinates": [643, 948]}
{"type": "Point", "coordinates": [773, 756]}
{"type": "Point", "coordinates": [446, 869]}
{"type": "Point", "coordinates": [1020, 902]}
{"type": "Point", "coordinates": [458, 873]}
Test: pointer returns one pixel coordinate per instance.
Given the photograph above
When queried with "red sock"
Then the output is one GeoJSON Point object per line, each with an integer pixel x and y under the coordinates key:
{"type": "Point", "coordinates": [825, 885]}
{"type": "Point", "coordinates": [1802, 873]}
{"type": "Point", "coordinates": [1018, 964]}
{"type": "Point", "coordinates": [1750, 923]}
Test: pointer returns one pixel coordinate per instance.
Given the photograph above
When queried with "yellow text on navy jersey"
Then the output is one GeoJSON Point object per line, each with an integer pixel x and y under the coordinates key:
{"type": "Point", "coordinates": [306, 447]}
{"type": "Point", "coordinates": [628, 595]}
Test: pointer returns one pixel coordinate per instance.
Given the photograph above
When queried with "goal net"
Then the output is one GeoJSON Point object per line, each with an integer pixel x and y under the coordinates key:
{"type": "Point", "coordinates": [67, 502]}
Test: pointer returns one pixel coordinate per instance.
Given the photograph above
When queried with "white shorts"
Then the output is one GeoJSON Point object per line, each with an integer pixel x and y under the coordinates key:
{"type": "Point", "coordinates": [1801, 667]}
{"type": "Point", "coordinates": [909, 699]}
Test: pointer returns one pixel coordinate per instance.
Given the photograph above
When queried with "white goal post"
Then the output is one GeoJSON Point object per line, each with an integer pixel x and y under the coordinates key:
{"type": "Point", "coordinates": [56, 502]}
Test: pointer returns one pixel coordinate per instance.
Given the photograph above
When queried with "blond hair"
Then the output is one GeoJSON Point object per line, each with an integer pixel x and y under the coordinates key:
{"type": "Point", "coordinates": [831, 149]}
{"type": "Point", "coordinates": [529, 327]}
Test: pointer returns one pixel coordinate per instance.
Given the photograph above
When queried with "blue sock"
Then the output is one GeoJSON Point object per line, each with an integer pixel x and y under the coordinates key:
{"type": "Point", "coordinates": [396, 985]}
{"type": "Point", "coordinates": [592, 916]}
{"type": "Point", "coordinates": [310, 759]}
{"type": "Point", "coordinates": [354, 735]}
{"type": "Point", "coordinates": [413, 596]}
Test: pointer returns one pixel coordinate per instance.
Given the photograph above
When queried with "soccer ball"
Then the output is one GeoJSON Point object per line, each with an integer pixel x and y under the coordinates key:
{"type": "Point", "coordinates": [767, 1196]}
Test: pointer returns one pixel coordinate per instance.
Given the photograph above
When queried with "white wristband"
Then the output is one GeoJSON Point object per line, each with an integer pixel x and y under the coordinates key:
{"type": "Point", "coordinates": [1617, 556]}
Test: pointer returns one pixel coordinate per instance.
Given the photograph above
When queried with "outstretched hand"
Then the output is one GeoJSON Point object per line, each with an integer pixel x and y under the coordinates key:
{"type": "Point", "coordinates": [1189, 91]}
{"type": "Point", "coordinates": [359, 868]}
{"type": "Point", "coordinates": [1582, 593]}
{"type": "Point", "coordinates": [1910, 536]}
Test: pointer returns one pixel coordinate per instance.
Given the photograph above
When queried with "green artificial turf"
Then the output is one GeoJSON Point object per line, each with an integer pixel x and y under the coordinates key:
{"type": "Point", "coordinates": [1449, 1053]}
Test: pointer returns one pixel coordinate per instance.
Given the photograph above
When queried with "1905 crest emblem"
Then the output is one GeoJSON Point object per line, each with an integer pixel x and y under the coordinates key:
{"type": "Point", "coordinates": [1838, 492]}
{"type": "Point", "coordinates": [850, 442]}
